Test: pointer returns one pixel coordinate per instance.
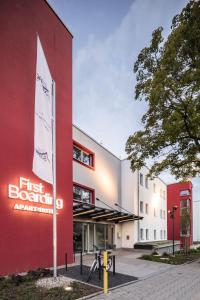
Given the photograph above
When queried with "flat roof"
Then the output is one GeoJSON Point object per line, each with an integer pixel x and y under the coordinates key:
{"type": "Point", "coordinates": [95, 141]}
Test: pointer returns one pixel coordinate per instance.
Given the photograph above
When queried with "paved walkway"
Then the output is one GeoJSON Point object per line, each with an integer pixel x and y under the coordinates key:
{"type": "Point", "coordinates": [177, 283]}
{"type": "Point", "coordinates": [128, 264]}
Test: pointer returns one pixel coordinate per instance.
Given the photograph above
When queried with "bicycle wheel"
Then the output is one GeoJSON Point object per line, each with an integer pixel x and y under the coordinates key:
{"type": "Point", "coordinates": [109, 265]}
{"type": "Point", "coordinates": [92, 270]}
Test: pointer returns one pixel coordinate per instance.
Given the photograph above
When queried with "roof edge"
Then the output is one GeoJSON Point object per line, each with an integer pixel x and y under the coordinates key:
{"type": "Point", "coordinates": [49, 5]}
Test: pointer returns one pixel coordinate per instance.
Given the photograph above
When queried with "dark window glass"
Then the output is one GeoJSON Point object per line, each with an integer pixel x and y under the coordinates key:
{"type": "Point", "coordinates": [76, 153]}
{"type": "Point", "coordinates": [83, 156]}
{"type": "Point", "coordinates": [82, 194]}
{"type": "Point", "coordinates": [87, 159]}
{"type": "Point", "coordinates": [141, 179]}
{"type": "Point", "coordinates": [146, 182]}
{"type": "Point", "coordinates": [185, 193]}
{"type": "Point", "coordinates": [77, 193]}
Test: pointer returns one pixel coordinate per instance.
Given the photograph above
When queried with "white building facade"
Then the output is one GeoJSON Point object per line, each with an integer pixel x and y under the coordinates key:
{"type": "Point", "coordinates": [103, 180]}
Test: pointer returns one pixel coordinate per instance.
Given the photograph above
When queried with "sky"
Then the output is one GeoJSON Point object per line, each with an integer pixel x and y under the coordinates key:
{"type": "Point", "coordinates": [108, 36]}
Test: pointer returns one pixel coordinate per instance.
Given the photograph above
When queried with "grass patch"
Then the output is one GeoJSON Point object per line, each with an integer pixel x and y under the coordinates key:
{"type": "Point", "coordinates": [178, 259]}
{"type": "Point", "coordinates": [23, 288]}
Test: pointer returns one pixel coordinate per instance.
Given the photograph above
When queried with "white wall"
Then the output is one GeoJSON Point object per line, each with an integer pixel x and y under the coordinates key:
{"type": "Point", "coordinates": [155, 201]}
{"type": "Point", "coordinates": [114, 182]}
{"type": "Point", "coordinates": [106, 177]}
{"type": "Point", "coordinates": [130, 196]}
{"type": "Point", "coordinates": [196, 221]}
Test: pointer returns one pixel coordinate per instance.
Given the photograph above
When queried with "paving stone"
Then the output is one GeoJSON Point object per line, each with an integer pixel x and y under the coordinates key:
{"type": "Point", "coordinates": [178, 283]}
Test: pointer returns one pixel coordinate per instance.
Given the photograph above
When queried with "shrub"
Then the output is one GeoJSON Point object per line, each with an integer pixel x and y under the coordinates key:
{"type": "Point", "coordinates": [165, 254]}
{"type": "Point", "coordinates": [146, 257]}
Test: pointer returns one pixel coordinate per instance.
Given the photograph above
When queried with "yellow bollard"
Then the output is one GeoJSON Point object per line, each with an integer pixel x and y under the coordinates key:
{"type": "Point", "coordinates": [105, 272]}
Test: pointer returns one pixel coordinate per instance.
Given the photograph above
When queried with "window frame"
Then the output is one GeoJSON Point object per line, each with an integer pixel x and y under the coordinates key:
{"type": "Point", "coordinates": [87, 151]}
{"type": "Point", "coordinates": [85, 188]}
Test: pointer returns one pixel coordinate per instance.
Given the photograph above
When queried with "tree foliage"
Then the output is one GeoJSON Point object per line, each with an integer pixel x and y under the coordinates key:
{"type": "Point", "coordinates": [168, 79]}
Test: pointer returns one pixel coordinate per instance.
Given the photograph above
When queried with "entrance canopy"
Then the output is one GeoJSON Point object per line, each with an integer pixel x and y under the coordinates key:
{"type": "Point", "coordinates": [85, 211]}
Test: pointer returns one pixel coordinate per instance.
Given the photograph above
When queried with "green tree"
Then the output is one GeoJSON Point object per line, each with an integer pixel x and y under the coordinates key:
{"type": "Point", "coordinates": [168, 79]}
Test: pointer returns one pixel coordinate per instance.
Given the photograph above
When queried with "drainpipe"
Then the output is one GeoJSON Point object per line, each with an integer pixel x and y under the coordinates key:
{"type": "Point", "coordinates": [138, 198]}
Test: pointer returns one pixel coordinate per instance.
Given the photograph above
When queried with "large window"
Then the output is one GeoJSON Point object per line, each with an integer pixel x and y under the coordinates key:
{"type": "Point", "coordinates": [83, 155]}
{"type": "Point", "coordinates": [185, 218]}
{"type": "Point", "coordinates": [184, 193]}
{"type": "Point", "coordinates": [82, 194]}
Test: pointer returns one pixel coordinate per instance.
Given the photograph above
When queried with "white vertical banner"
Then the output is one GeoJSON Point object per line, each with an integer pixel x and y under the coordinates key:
{"type": "Point", "coordinates": [43, 139]}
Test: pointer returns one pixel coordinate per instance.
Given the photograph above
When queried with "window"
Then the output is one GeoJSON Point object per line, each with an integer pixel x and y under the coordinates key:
{"type": "Point", "coordinates": [184, 193]}
{"type": "Point", "coordinates": [161, 213]}
{"type": "Point", "coordinates": [141, 179]}
{"type": "Point", "coordinates": [82, 194]}
{"type": "Point", "coordinates": [164, 195]}
{"type": "Point", "coordinates": [141, 207]}
{"type": "Point", "coordinates": [83, 155]}
{"type": "Point", "coordinates": [185, 204]}
{"type": "Point", "coordinates": [141, 234]}
{"type": "Point", "coordinates": [146, 208]}
{"type": "Point", "coordinates": [147, 234]}
{"type": "Point", "coordinates": [154, 233]}
{"type": "Point", "coordinates": [146, 182]}
{"type": "Point", "coordinates": [161, 234]}
{"type": "Point", "coordinates": [164, 232]}
{"type": "Point", "coordinates": [185, 217]}
{"type": "Point", "coordinates": [164, 214]}
{"type": "Point", "coordinates": [154, 212]}
{"type": "Point", "coordinates": [154, 188]}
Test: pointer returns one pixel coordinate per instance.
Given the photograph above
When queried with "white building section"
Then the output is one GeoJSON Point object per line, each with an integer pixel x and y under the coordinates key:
{"type": "Point", "coordinates": [98, 174]}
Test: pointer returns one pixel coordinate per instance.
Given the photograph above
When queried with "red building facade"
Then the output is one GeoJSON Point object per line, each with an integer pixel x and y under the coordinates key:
{"type": "Point", "coordinates": [180, 195]}
{"type": "Point", "coordinates": [26, 225]}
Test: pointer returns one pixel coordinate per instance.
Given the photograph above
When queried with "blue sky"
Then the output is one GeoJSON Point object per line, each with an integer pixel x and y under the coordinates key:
{"type": "Point", "coordinates": [108, 35]}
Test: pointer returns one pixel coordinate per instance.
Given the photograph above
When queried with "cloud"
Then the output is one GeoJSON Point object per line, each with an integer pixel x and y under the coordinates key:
{"type": "Point", "coordinates": [103, 74]}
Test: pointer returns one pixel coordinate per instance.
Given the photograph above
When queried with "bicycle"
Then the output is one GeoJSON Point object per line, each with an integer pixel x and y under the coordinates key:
{"type": "Point", "coordinates": [97, 264]}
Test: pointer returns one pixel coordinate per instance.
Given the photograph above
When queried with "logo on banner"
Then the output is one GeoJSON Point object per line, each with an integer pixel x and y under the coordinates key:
{"type": "Point", "coordinates": [34, 197]}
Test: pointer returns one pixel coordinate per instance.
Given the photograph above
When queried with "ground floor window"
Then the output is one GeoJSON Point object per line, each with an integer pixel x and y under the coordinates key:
{"type": "Point", "coordinates": [147, 234]}
{"type": "Point", "coordinates": [89, 237]}
{"type": "Point", "coordinates": [154, 234]}
{"type": "Point", "coordinates": [141, 234]}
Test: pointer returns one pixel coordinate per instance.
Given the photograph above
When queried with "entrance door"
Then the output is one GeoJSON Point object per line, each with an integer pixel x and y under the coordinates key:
{"type": "Point", "coordinates": [88, 235]}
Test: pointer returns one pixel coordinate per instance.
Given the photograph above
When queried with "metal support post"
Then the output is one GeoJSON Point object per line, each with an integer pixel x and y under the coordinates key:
{"type": "Point", "coordinates": [81, 263]}
{"type": "Point", "coordinates": [113, 264]}
{"type": "Point", "coordinates": [105, 272]}
{"type": "Point", "coordinates": [66, 261]}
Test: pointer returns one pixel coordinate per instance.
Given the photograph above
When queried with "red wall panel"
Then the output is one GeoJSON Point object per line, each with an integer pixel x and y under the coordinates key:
{"type": "Point", "coordinates": [174, 198]}
{"type": "Point", "coordinates": [26, 237]}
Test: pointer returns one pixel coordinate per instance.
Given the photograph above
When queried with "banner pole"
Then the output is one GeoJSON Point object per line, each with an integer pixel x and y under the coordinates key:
{"type": "Point", "coordinates": [54, 184]}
